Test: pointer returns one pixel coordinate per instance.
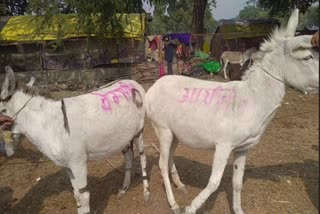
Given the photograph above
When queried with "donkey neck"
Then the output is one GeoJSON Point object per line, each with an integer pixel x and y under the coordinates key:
{"type": "Point", "coordinates": [267, 86]}
{"type": "Point", "coordinates": [41, 121]}
{"type": "Point", "coordinates": [33, 115]}
{"type": "Point", "coordinates": [20, 98]}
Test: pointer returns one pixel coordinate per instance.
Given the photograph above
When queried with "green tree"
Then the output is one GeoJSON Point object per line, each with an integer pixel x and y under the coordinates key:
{"type": "Point", "coordinates": [283, 7]}
{"type": "Point", "coordinates": [95, 16]}
{"type": "Point", "coordinates": [312, 16]}
{"type": "Point", "coordinates": [13, 7]}
{"type": "Point", "coordinates": [3, 8]}
{"type": "Point", "coordinates": [253, 12]}
{"type": "Point", "coordinates": [179, 19]}
{"type": "Point", "coordinates": [210, 24]}
{"type": "Point", "coordinates": [199, 8]}
{"type": "Point", "coordinates": [102, 13]}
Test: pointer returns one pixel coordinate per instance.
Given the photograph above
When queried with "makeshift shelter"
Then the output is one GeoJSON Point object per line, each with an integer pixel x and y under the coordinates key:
{"type": "Point", "coordinates": [238, 35]}
{"type": "Point", "coordinates": [308, 30]}
{"type": "Point", "coordinates": [25, 48]}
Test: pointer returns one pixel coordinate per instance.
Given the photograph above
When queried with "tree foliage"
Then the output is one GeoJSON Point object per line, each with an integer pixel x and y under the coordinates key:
{"type": "Point", "coordinates": [95, 16]}
{"type": "Point", "coordinates": [13, 7]}
{"type": "Point", "coordinates": [179, 19]}
{"type": "Point", "coordinates": [3, 8]}
{"type": "Point", "coordinates": [309, 18]}
{"type": "Point", "coordinates": [184, 15]}
{"type": "Point", "coordinates": [198, 14]}
{"type": "Point", "coordinates": [312, 17]}
{"type": "Point", "coordinates": [252, 12]}
{"type": "Point", "coordinates": [283, 7]}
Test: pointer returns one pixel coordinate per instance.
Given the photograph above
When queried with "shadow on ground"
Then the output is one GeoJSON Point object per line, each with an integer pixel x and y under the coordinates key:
{"type": "Point", "coordinates": [58, 182]}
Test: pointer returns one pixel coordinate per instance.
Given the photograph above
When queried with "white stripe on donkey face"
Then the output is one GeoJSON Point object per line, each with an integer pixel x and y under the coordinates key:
{"type": "Point", "coordinates": [74, 130]}
{"type": "Point", "coordinates": [230, 116]}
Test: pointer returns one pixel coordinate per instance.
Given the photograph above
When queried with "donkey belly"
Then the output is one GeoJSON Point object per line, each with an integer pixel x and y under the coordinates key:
{"type": "Point", "coordinates": [107, 133]}
{"type": "Point", "coordinates": [108, 145]}
{"type": "Point", "coordinates": [193, 137]}
{"type": "Point", "coordinates": [105, 143]}
{"type": "Point", "coordinates": [106, 149]}
{"type": "Point", "coordinates": [195, 142]}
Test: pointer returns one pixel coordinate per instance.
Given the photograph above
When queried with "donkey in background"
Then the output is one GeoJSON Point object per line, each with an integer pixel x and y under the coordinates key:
{"type": "Point", "coordinates": [87, 127]}
{"type": "Point", "coordinates": [235, 57]}
{"type": "Point", "coordinates": [232, 116]}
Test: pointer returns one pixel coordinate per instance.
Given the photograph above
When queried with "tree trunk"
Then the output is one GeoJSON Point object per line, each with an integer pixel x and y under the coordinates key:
{"type": "Point", "coordinates": [199, 7]}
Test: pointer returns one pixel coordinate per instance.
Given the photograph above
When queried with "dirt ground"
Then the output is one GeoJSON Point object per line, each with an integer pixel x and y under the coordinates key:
{"type": "Point", "coordinates": [281, 176]}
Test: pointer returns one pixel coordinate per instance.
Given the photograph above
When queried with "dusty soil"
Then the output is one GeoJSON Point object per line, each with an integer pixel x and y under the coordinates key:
{"type": "Point", "coordinates": [281, 176]}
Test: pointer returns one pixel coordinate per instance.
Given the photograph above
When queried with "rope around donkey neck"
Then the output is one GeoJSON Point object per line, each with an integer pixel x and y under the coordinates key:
{"type": "Point", "coordinates": [272, 76]}
{"type": "Point", "coordinates": [14, 117]}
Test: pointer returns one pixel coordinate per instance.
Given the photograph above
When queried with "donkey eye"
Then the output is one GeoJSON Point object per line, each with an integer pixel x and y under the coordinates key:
{"type": "Point", "coordinates": [308, 57]}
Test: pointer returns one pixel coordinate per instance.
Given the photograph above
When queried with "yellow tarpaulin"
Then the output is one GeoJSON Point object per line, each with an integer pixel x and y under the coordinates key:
{"type": "Point", "coordinates": [23, 28]}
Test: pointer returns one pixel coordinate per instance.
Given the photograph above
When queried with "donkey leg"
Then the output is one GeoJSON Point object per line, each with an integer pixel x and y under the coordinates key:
{"type": "Point", "coordinates": [165, 138]}
{"type": "Point", "coordinates": [75, 189]}
{"type": "Point", "coordinates": [237, 179]}
{"type": "Point", "coordinates": [128, 156]}
{"type": "Point", "coordinates": [219, 162]}
{"type": "Point", "coordinates": [79, 171]}
{"type": "Point", "coordinates": [174, 173]}
{"type": "Point", "coordinates": [143, 161]}
{"type": "Point", "coordinates": [225, 69]}
{"type": "Point", "coordinates": [16, 139]}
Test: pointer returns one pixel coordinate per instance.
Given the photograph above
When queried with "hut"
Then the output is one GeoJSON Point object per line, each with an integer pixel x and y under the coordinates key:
{"type": "Point", "coordinates": [238, 35]}
{"type": "Point", "coordinates": [26, 48]}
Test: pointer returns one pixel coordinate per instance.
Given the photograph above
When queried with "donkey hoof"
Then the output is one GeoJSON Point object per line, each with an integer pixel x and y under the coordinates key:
{"type": "Point", "coordinates": [79, 210]}
{"type": "Point", "coordinates": [189, 210]}
{"type": "Point", "coordinates": [146, 197]}
{"type": "Point", "coordinates": [183, 190]}
{"type": "Point", "coordinates": [121, 193]}
{"type": "Point", "coordinates": [238, 211]}
{"type": "Point", "coordinates": [10, 152]}
{"type": "Point", "coordinates": [176, 210]}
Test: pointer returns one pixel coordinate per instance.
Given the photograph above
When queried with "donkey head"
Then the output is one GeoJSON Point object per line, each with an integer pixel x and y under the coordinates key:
{"type": "Point", "coordinates": [292, 58]}
{"type": "Point", "coordinates": [9, 139]}
{"type": "Point", "coordinates": [10, 86]}
{"type": "Point", "coordinates": [246, 55]}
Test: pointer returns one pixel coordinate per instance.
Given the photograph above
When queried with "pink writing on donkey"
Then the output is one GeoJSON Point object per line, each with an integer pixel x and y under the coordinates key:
{"type": "Point", "coordinates": [123, 91]}
{"type": "Point", "coordinates": [222, 96]}
{"type": "Point", "coordinates": [193, 95]}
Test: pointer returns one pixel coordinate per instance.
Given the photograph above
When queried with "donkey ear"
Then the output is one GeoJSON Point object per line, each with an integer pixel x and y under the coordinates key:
{"type": "Point", "coordinates": [292, 23]}
{"type": "Point", "coordinates": [30, 83]}
{"type": "Point", "coordinates": [9, 83]}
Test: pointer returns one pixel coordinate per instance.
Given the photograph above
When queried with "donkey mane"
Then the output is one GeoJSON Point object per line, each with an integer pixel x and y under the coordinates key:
{"type": "Point", "coordinates": [249, 71]}
{"type": "Point", "coordinates": [33, 91]}
{"type": "Point", "coordinates": [271, 42]}
{"type": "Point", "coordinates": [267, 45]}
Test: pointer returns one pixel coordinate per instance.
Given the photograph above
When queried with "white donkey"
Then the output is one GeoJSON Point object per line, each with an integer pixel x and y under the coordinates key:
{"type": "Point", "coordinates": [228, 116]}
{"type": "Point", "coordinates": [74, 130]}
{"type": "Point", "coordinates": [235, 57]}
